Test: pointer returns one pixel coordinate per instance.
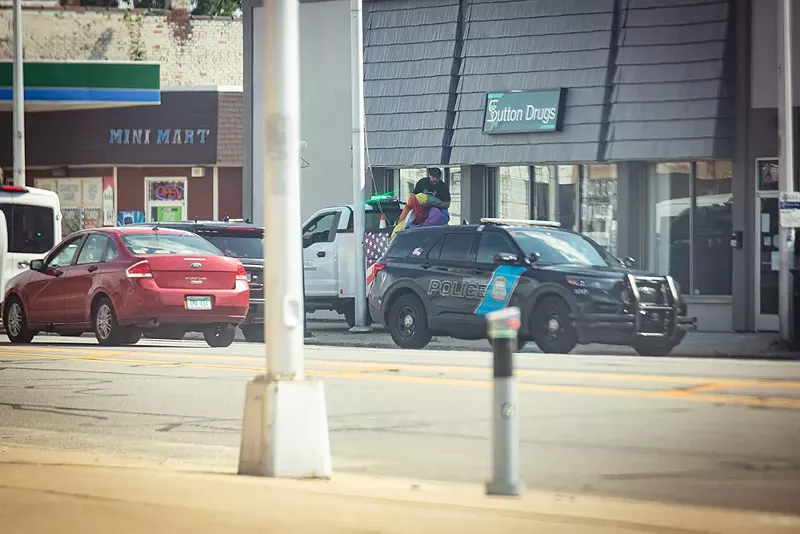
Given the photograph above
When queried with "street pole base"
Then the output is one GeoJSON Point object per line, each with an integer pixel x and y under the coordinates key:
{"type": "Point", "coordinates": [285, 430]}
{"type": "Point", "coordinates": [508, 489]}
{"type": "Point", "coordinates": [361, 330]}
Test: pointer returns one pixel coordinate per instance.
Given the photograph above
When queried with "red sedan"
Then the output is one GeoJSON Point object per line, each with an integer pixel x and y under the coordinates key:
{"type": "Point", "coordinates": [118, 282]}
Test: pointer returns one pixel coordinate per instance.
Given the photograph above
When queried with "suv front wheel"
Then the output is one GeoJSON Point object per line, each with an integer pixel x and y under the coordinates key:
{"type": "Point", "coordinates": [551, 326]}
{"type": "Point", "coordinates": [408, 323]}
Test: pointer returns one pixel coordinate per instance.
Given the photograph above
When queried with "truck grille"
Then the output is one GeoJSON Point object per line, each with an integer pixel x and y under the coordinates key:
{"type": "Point", "coordinates": [256, 282]}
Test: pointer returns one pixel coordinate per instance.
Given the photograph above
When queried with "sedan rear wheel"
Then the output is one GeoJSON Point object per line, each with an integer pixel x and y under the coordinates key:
{"type": "Point", "coordinates": [16, 323]}
{"type": "Point", "coordinates": [220, 336]}
{"type": "Point", "coordinates": [106, 329]}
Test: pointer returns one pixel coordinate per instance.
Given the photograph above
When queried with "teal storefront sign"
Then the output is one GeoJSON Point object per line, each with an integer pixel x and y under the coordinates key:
{"type": "Point", "coordinates": [521, 112]}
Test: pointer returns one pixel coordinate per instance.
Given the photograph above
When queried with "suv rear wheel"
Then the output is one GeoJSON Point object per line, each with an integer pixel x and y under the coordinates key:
{"type": "Point", "coordinates": [653, 348]}
{"type": "Point", "coordinates": [408, 323]}
{"type": "Point", "coordinates": [551, 326]}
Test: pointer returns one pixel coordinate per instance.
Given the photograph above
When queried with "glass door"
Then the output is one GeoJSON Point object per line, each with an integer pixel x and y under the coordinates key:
{"type": "Point", "coordinates": [165, 199]}
{"type": "Point", "coordinates": [768, 264]}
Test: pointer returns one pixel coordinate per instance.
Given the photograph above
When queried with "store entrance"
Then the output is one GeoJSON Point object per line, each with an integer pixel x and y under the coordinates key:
{"type": "Point", "coordinates": [766, 249]}
{"type": "Point", "coordinates": [166, 199]}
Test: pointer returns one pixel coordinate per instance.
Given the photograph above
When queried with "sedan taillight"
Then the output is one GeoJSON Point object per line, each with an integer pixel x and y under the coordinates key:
{"type": "Point", "coordinates": [241, 274]}
{"type": "Point", "coordinates": [139, 270]}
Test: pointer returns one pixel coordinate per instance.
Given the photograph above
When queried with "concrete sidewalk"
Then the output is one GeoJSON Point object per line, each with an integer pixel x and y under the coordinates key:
{"type": "Point", "coordinates": [54, 491]}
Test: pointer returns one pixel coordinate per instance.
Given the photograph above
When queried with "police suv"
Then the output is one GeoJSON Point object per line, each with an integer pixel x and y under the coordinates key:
{"type": "Point", "coordinates": [444, 280]}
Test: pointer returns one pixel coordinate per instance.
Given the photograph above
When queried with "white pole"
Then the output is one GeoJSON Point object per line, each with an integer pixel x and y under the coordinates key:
{"type": "Point", "coordinates": [285, 426]}
{"type": "Point", "coordinates": [283, 271]}
{"type": "Point", "coordinates": [359, 175]}
{"type": "Point", "coordinates": [19, 99]}
{"type": "Point", "coordinates": [785, 117]}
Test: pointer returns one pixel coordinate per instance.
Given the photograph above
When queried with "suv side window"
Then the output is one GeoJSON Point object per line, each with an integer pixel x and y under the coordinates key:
{"type": "Point", "coordinates": [402, 246]}
{"type": "Point", "coordinates": [320, 229]}
{"type": "Point", "coordinates": [455, 247]}
{"type": "Point", "coordinates": [493, 243]}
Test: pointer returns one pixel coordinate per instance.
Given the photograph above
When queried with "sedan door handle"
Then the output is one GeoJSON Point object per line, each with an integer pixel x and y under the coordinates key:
{"type": "Point", "coordinates": [321, 254]}
{"type": "Point", "coordinates": [92, 268]}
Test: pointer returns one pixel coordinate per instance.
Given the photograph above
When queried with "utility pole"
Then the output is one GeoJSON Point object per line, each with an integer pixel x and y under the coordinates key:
{"type": "Point", "coordinates": [285, 427]}
{"type": "Point", "coordinates": [786, 236]}
{"type": "Point", "coordinates": [359, 174]}
{"type": "Point", "coordinates": [19, 99]}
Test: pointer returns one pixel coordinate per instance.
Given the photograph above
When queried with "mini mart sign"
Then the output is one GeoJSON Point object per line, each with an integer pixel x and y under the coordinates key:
{"type": "Point", "coordinates": [524, 112]}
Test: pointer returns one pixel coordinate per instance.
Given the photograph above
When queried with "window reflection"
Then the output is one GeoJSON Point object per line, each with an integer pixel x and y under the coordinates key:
{"type": "Point", "coordinates": [599, 205]}
{"type": "Point", "coordinates": [713, 225]}
{"type": "Point", "coordinates": [669, 191]}
{"type": "Point", "coordinates": [514, 192]}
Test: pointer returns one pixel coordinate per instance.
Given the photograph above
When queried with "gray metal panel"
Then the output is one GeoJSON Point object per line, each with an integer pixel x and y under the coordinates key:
{"type": "Point", "coordinates": [675, 91]}
{"type": "Point", "coordinates": [406, 122]}
{"type": "Point", "coordinates": [670, 129]}
{"type": "Point", "coordinates": [408, 65]}
{"type": "Point", "coordinates": [542, 26]}
{"type": "Point", "coordinates": [683, 149]}
{"type": "Point", "coordinates": [540, 44]}
{"type": "Point", "coordinates": [535, 63]}
{"type": "Point", "coordinates": [582, 133]}
{"type": "Point", "coordinates": [408, 87]}
{"type": "Point", "coordinates": [526, 154]}
{"type": "Point", "coordinates": [680, 14]}
{"type": "Point", "coordinates": [587, 78]}
{"type": "Point", "coordinates": [394, 36]}
{"type": "Point", "coordinates": [529, 45]}
{"type": "Point", "coordinates": [402, 70]}
{"type": "Point", "coordinates": [404, 157]}
{"type": "Point", "coordinates": [672, 98]}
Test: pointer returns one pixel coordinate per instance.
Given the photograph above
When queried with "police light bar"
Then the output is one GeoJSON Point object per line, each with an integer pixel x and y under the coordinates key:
{"type": "Point", "coordinates": [521, 222]}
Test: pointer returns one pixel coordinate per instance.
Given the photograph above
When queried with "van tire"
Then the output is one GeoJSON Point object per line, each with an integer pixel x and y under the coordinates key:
{"type": "Point", "coordinates": [408, 323]}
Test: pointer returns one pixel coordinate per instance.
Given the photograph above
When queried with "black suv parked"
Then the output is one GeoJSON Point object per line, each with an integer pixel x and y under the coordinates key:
{"type": "Point", "coordinates": [240, 240]}
{"type": "Point", "coordinates": [444, 280]}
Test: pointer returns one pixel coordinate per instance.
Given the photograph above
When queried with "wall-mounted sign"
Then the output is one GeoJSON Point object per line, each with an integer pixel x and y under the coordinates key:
{"type": "Point", "coordinates": [520, 112]}
{"type": "Point", "coordinates": [166, 191]}
{"type": "Point", "coordinates": [160, 136]}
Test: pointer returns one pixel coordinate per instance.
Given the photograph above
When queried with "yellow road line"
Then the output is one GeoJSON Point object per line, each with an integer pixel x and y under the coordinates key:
{"type": "Point", "coordinates": [774, 402]}
{"type": "Point", "coordinates": [703, 383]}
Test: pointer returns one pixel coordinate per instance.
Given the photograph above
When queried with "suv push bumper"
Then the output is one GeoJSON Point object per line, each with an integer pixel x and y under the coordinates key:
{"type": "Point", "coordinates": [649, 318]}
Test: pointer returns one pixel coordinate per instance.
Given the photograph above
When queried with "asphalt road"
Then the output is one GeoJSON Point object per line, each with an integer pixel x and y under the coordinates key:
{"type": "Point", "coordinates": [690, 431]}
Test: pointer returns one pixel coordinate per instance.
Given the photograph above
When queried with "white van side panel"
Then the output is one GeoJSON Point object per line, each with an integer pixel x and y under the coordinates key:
{"type": "Point", "coordinates": [14, 263]}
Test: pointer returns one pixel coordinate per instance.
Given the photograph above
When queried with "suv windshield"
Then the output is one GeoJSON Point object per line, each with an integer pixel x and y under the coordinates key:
{"type": "Point", "coordinates": [243, 245]}
{"type": "Point", "coordinates": [560, 247]}
{"type": "Point", "coordinates": [156, 243]}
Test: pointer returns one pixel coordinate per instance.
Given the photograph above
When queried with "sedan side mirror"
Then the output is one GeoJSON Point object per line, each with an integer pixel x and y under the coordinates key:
{"type": "Point", "coordinates": [629, 262]}
{"type": "Point", "coordinates": [505, 258]}
{"type": "Point", "coordinates": [37, 265]}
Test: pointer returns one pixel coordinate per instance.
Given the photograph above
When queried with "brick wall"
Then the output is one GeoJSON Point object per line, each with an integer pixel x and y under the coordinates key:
{"type": "Point", "coordinates": [230, 129]}
{"type": "Point", "coordinates": [191, 50]}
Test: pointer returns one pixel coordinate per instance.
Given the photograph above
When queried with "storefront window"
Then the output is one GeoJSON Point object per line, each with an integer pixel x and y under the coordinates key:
{"type": "Point", "coordinates": [514, 192]}
{"type": "Point", "coordinates": [713, 225]}
{"type": "Point", "coordinates": [83, 204]}
{"type": "Point", "coordinates": [668, 227]}
{"type": "Point", "coordinates": [599, 205]}
{"type": "Point", "coordinates": [408, 179]}
{"type": "Point", "coordinates": [554, 194]}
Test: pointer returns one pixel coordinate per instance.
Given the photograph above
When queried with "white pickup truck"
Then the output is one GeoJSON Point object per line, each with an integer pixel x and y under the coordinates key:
{"type": "Point", "coordinates": [329, 254]}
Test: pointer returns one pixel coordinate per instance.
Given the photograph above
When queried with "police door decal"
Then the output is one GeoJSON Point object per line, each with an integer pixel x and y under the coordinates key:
{"type": "Point", "coordinates": [501, 286]}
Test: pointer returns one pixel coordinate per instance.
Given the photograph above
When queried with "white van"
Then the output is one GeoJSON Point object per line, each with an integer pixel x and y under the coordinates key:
{"type": "Point", "coordinates": [30, 226]}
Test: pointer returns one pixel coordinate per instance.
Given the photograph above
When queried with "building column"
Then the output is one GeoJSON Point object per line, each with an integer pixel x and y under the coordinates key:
{"type": "Point", "coordinates": [743, 188]}
{"type": "Point", "coordinates": [472, 192]}
{"type": "Point", "coordinates": [631, 211]}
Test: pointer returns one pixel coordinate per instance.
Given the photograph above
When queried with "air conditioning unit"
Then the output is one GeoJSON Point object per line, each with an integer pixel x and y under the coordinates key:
{"type": "Point", "coordinates": [198, 172]}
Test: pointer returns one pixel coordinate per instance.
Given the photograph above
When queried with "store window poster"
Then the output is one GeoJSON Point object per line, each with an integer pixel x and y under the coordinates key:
{"type": "Point", "coordinates": [168, 213]}
{"type": "Point", "coordinates": [125, 218]}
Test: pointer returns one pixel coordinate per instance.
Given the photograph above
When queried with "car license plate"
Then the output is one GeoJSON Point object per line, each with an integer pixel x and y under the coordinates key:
{"type": "Point", "coordinates": [198, 303]}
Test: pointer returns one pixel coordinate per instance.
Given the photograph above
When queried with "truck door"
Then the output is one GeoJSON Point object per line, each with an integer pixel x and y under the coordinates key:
{"type": "Point", "coordinates": [320, 262]}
